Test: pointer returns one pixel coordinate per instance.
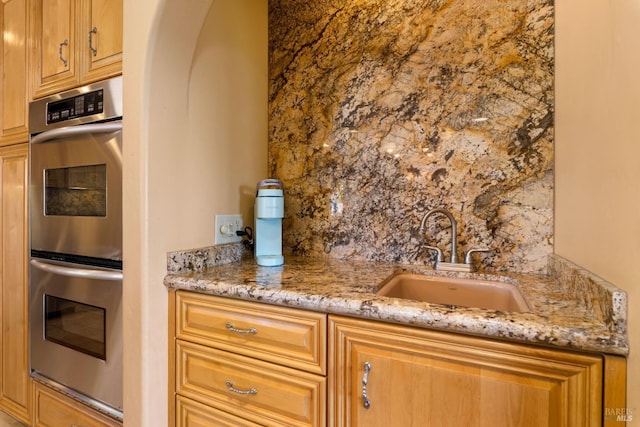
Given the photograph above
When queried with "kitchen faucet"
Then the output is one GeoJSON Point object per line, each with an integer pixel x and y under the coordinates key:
{"type": "Point", "coordinates": [453, 264]}
{"type": "Point", "coordinates": [454, 230]}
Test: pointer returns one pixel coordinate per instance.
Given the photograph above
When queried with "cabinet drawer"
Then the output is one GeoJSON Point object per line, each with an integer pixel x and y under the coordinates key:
{"type": "Point", "coordinates": [194, 414]}
{"type": "Point", "coordinates": [53, 409]}
{"type": "Point", "coordinates": [266, 393]}
{"type": "Point", "coordinates": [282, 335]}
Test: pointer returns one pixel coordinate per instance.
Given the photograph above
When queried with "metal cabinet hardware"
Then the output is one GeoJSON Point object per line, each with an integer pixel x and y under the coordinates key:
{"type": "Point", "coordinates": [231, 328]}
{"type": "Point", "coordinates": [93, 31]}
{"type": "Point", "coordinates": [85, 273]}
{"type": "Point", "coordinates": [231, 388]}
{"type": "Point", "coordinates": [365, 379]}
{"type": "Point", "coordinates": [64, 43]}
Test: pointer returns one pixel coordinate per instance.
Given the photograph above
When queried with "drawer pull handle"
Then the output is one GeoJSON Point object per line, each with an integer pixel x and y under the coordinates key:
{"type": "Point", "coordinates": [241, 331]}
{"type": "Point", "coordinates": [231, 388]}
{"type": "Point", "coordinates": [365, 379]}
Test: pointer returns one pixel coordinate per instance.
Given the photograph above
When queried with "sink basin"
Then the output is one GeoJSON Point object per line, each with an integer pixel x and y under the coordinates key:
{"type": "Point", "coordinates": [455, 291]}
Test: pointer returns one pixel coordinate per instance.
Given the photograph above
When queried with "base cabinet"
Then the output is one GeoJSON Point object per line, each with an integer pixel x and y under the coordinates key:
{"type": "Point", "coordinates": [239, 363]}
{"type": "Point", "coordinates": [245, 364]}
{"type": "Point", "coordinates": [382, 375]}
{"type": "Point", "coordinates": [54, 409]}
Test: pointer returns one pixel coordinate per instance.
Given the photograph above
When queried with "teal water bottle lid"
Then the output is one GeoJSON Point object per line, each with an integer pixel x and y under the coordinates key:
{"type": "Point", "coordinates": [270, 184]}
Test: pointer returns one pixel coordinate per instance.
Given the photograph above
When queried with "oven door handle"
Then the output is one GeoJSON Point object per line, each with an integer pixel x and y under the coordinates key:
{"type": "Point", "coordinates": [77, 272]}
{"type": "Point", "coordinates": [76, 130]}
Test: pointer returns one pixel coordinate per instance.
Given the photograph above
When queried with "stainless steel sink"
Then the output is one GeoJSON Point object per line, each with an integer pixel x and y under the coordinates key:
{"type": "Point", "coordinates": [453, 291]}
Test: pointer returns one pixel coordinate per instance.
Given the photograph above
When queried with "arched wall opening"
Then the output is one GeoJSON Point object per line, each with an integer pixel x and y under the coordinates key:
{"type": "Point", "coordinates": [195, 141]}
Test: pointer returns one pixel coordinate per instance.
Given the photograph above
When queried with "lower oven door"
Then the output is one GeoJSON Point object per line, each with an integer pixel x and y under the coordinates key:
{"type": "Point", "coordinates": [76, 330]}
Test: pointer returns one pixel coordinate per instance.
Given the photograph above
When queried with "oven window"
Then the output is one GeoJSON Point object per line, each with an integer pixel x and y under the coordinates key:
{"type": "Point", "coordinates": [76, 191]}
{"type": "Point", "coordinates": [75, 325]}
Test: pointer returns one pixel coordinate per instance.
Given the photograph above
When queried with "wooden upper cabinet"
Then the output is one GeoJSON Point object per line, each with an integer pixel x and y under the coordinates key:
{"type": "Point", "coordinates": [13, 69]}
{"type": "Point", "coordinates": [102, 23]}
{"type": "Point", "coordinates": [75, 42]}
{"type": "Point", "coordinates": [54, 63]}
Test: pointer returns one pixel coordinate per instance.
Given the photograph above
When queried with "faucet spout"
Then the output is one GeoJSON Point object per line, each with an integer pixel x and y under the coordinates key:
{"type": "Point", "coordinates": [454, 229]}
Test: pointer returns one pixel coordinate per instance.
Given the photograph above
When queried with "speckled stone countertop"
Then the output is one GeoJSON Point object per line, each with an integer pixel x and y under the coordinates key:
{"type": "Point", "coordinates": [570, 308]}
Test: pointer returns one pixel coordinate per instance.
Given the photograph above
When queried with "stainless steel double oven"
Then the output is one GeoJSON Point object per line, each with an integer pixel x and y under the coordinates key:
{"type": "Point", "coordinates": [75, 219]}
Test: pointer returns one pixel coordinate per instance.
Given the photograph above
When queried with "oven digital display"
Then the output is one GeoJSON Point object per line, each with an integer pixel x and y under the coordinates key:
{"type": "Point", "coordinates": [86, 104]}
{"type": "Point", "coordinates": [75, 325]}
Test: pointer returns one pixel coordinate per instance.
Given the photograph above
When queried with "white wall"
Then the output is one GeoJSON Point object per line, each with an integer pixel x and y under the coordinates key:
{"type": "Point", "coordinates": [597, 209]}
{"type": "Point", "coordinates": [195, 141]}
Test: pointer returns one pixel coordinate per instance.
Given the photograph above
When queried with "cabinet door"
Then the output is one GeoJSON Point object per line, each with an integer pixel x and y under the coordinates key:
{"type": "Point", "coordinates": [14, 367]}
{"type": "Point", "coordinates": [13, 69]}
{"type": "Point", "coordinates": [418, 377]}
{"type": "Point", "coordinates": [101, 30]}
{"type": "Point", "coordinates": [53, 31]}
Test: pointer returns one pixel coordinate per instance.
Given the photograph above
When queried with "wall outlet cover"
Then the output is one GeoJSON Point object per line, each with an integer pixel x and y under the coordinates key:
{"type": "Point", "coordinates": [226, 227]}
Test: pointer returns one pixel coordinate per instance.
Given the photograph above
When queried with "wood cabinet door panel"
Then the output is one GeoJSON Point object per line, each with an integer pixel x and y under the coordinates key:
{"type": "Point", "coordinates": [54, 60]}
{"type": "Point", "coordinates": [420, 377]}
{"type": "Point", "coordinates": [58, 26]}
{"type": "Point", "coordinates": [101, 32]}
{"type": "Point", "coordinates": [15, 392]}
{"type": "Point", "coordinates": [14, 72]}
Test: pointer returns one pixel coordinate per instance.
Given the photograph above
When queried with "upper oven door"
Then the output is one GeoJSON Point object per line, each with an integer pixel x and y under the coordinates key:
{"type": "Point", "coordinates": [76, 191]}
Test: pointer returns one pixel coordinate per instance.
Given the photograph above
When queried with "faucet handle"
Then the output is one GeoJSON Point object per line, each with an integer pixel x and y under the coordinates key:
{"type": "Point", "coordinates": [467, 256]}
{"type": "Point", "coordinates": [440, 257]}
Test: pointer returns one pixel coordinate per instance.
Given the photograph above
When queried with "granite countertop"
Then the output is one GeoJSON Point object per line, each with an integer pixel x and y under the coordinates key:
{"type": "Point", "coordinates": [570, 308]}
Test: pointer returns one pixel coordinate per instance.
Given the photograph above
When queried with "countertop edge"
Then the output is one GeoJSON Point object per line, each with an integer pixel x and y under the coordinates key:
{"type": "Point", "coordinates": [592, 336]}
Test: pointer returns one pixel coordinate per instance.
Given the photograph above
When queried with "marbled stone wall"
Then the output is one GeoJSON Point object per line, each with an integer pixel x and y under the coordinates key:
{"type": "Point", "coordinates": [382, 110]}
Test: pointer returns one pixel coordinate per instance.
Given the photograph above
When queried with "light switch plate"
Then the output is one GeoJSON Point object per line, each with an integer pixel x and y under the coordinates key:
{"type": "Point", "coordinates": [226, 226]}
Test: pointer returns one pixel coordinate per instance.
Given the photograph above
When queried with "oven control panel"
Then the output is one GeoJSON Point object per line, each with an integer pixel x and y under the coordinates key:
{"type": "Point", "coordinates": [86, 104]}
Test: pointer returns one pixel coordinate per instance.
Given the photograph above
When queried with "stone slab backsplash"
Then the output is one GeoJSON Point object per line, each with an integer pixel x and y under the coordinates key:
{"type": "Point", "coordinates": [382, 110]}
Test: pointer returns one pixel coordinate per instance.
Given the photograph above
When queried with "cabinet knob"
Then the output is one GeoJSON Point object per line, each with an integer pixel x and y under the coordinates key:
{"type": "Point", "coordinates": [365, 379]}
{"type": "Point", "coordinates": [64, 43]}
{"type": "Point", "coordinates": [93, 31]}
